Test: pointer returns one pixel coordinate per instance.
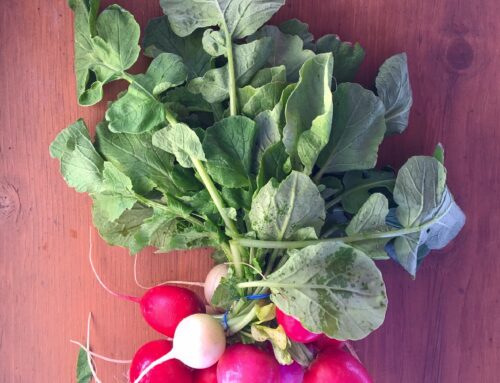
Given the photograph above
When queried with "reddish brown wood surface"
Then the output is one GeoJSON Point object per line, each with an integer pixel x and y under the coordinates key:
{"type": "Point", "coordinates": [442, 328]}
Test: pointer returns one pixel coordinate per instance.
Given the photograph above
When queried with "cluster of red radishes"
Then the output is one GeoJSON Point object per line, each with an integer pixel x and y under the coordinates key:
{"type": "Point", "coordinates": [195, 349]}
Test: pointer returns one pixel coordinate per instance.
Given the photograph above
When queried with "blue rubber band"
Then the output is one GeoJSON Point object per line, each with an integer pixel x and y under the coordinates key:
{"type": "Point", "coordinates": [258, 296]}
{"type": "Point", "coordinates": [224, 320]}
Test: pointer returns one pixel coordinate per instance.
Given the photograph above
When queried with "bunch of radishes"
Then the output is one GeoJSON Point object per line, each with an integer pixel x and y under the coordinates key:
{"type": "Point", "coordinates": [195, 350]}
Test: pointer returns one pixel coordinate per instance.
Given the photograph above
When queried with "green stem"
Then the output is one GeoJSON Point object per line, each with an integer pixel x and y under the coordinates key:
{"type": "Point", "coordinates": [239, 323]}
{"type": "Point", "coordinates": [248, 242]}
{"type": "Point", "coordinates": [170, 117]}
{"type": "Point", "coordinates": [235, 252]}
{"type": "Point", "coordinates": [214, 194]}
{"type": "Point", "coordinates": [233, 97]}
{"type": "Point", "coordinates": [219, 204]}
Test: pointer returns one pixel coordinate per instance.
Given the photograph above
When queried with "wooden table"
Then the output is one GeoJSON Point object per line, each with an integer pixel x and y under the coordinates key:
{"type": "Point", "coordinates": [442, 328]}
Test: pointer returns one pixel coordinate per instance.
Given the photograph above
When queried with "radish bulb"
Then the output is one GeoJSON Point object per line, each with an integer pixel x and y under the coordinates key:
{"type": "Point", "coordinates": [213, 279]}
{"type": "Point", "coordinates": [199, 342]}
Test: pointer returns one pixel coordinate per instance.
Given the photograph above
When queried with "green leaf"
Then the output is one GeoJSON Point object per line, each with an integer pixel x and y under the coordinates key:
{"type": "Point", "coordinates": [272, 164]}
{"type": "Point", "coordinates": [178, 238]}
{"type": "Point", "coordinates": [265, 98]}
{"type": "Point", "coordinates": [348, 57]}
{"type": "Point", "coordinates": [393, 88]}
{"type": "Point", "coordinates": [139, 109]}
{"type": "Point", "coordinates": [270, 123]}
{"type": "Point", "coordinates": [249, 58]}
{"type": "Point", "coordinates": [296, 27]}
{"type": "Point", "coordinates": [201, 202]}
{"type": "Point", "coordinates": [240, 17]}
{"type": "Point", "coordinates": [280, 210]}
{"type": "Point", "coordinates": [214, 43]}
{"type": "Point", "coordinates": [191, 102]}
{"type": "Point", "coordinates": [331, 288]}
{"type": "Point", "coordinates": [116, 194]}
{"type": "Point", "coordinates": [160, 38]}
{"type": "Point", "coordinates": [287, 50]}
{"type": "Point", "coordinates": [81, 165]}
{"type": "Point", "coordinates": [105, 46]}
{"type": "Point", "coordinates": [134, 154]}
{"type": "Point", "coordinates": [83, 371]}
{"type": "Point", "coordinates": [237, 198]}
{"type": "Point", "coordinates": [423, 198]}
{"type": "Point", "coordinates": [267, 75]}
{"type": "Point", "coordinates": [309, 113]}
{"type": "Point", "coordinates": [122, 232]}
{"type": "Point", "coordinates": [228, 146]}
{"type": "Point", "coordinates": [358, 130]}
{"type": "Point", "coordinates": [181, 141]}
{"type": "Point", "coordinates": [358, 184]}
{"type": "Point", "coordinates": [370, 219]}
{"type": "Point", "coordinates": [226, 292]}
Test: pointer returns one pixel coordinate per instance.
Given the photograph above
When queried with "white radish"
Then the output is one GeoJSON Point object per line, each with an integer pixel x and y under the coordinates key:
{"type": "Point", "coordinates": [199, 342]}
{"type": "Point", "coordinates": [213, 279]}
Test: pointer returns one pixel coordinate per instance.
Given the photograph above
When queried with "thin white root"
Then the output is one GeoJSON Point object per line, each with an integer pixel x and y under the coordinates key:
{"type": "Point", "coordinates": [103, 285]}
{"type": "Point", "coordinates": [351, 349]}
{"type": "Point", "coordinates": [89, 357]}
{"type": "Point", "coordinates": [99, 356]}
{"type": "Point", "coordinates": [136, 279]}
{"type": "Point", "coordinates": [157, 362]}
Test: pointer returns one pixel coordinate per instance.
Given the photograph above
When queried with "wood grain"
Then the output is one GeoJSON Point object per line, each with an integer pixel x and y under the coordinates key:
{"type": "Point", "coordinates": [442, 328]}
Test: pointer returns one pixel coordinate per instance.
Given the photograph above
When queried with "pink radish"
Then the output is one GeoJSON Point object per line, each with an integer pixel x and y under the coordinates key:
{"type": "Point", "coordinates": [336, 366]}
{"type": "Point", "coordinates": [171, 371]}
{"type": "Point", "coordinates": [294, 329]}
{"type": "Point", "coordinates": [199, 342]}
{"type": "Point", "coordinates": [207, 375]}
{"type": "Point", "coordinates": [163, 307]}
{"type": "Point", "coordinates": [245, 363]}
{"type": "Point", "coordinates": [325, 342]}
{"type": "Point", "coordinates": [294, 373]}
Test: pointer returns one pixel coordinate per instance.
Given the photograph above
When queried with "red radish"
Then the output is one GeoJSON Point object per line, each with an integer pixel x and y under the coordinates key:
{"type": "Point", "coordinates": [207, 375]}
{"type": "Point", "coordinates": [199, 342]}
{"type": "Point", "coordinates": [336, 366]}
{"type": "Point", "coordinates": [294, 373]}
{"type": "Point", "coordinates": [325, 342]}
{"type": "Point", "coordinates": [294, 329]}
{"type": "Point", "coordinates": [163, 307]}
{"type": "Point", "coordinates": [213, 279]}
{"type": "Point", "coordinates": [245, 363]}
{"type": "Point", "coordinates": [171, 371]}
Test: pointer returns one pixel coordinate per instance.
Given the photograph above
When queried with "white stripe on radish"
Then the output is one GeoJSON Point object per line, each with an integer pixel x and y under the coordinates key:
{"type": "Point", "coordinates": [199, 342]}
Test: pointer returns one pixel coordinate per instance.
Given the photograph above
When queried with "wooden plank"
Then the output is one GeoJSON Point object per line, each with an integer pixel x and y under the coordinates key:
{"type": "Point", "coordinates": [442, 328]}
